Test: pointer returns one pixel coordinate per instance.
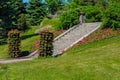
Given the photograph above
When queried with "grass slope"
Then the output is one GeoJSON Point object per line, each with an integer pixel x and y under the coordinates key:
{"type": "Point", "coordinates": [29, 38]}
{"type": "Point", "coordinates": [94, 61]}
{"type": "Point", "coordinates": [52, 22]}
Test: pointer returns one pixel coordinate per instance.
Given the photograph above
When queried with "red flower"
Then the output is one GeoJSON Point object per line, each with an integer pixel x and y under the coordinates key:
{"type": "Point", "coordinates": [63, 51]}
{"type": "Point", "coordinates": [81, 41]}
{"type": "Point", "coordinates": [49, 38]}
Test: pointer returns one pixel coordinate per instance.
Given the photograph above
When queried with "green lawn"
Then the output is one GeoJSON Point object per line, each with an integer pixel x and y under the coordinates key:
{"type": "Point", "coordinates": [52, 22]}
{"type": "Point", "coordinates": [99, 60]}
{"type": "Point", "coordinates": [29, 38]}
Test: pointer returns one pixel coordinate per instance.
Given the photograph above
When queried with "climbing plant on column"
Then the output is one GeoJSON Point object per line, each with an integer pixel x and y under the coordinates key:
{"type": "Point", "coordinates": [14, 43]}
{"type": "Point", "coordinates": [46, 46]}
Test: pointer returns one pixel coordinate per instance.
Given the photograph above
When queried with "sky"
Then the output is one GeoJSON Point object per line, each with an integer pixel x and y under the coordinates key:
{"type": "Point", "coordinates": [25, 0]}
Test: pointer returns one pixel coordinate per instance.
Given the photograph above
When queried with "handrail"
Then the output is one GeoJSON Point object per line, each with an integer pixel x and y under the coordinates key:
{"type": "Point", "coordinates": [66, 32]}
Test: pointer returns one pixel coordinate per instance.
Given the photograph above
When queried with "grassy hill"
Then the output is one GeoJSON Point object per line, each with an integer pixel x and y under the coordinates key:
{"type": "Point", "coordinates": [28, 39]}
{"type": "Point", "coordinates": [98, 60]}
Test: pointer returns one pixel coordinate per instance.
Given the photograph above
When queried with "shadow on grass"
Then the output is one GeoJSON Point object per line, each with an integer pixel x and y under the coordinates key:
{"type": "Point", "coordinates": [24, 53]}
{"type": "Point", "coordinates": [28, 36]}
{"type": "Point", "coordinates": [3, 41]}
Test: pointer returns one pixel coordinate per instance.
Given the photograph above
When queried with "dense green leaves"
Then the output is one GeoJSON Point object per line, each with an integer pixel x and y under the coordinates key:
{"type": "Point", "coordinates": [10, 12]}
{"type": "Point", "coordinates": [78, 3]}
{"type": "Point", "coordinates": [18, 8]}
{"type": "Point", "coordinates": [36, 12]}
{"type": "Point", "coordinates": [71, 17]}
{"type": "Point", "coordinates": [22, 23]}
{"type": "Point", "coordinates": [112, 15]}
{"type": "Point", "coordinates": [54, 5]}
{"type": "Point", "coordinates": [68, 19]}
{"type": "Point", "coordinates": [6, 14]}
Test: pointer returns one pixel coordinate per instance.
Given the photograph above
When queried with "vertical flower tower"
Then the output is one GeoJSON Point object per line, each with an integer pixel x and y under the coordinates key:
{"type": "Point", "coordinates": [14, 41]}
{"type": "Point", "coordinates": [46, 46]}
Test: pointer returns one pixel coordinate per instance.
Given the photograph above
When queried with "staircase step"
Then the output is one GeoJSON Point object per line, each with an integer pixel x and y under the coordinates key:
{"type": "Point", "coordinates": [72, 36]}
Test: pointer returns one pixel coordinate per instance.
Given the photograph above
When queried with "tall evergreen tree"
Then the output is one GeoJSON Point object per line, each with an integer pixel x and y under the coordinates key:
{"type": "Point", "coordinates": [5, 14]}
{"type": "Point", "coordinates": [18, 7]}
{"type": "Point", "coordinates": [54, 5]}
{"type": "Point", "coordinates": [22, 23]}
{"type": "Point", "coordinates": [36, 12]}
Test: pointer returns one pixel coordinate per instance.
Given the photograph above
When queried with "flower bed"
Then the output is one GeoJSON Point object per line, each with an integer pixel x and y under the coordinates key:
{"type": "Point", "coordinates": [55, 32]}
{"type": "Point", "coordinates": [100, 34]}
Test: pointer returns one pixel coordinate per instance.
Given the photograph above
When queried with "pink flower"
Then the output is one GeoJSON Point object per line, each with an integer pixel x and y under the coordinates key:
{"type": "Point", "coordinates": [37, 41]}
{"type": "Point", "coordinates": [63, 51]}
{"type": "Point", "coordinates": [74, 45]}
{"type": "Point", "coordinates": [35, 45]}
{"type": "Point", "coordinates": [110, 33]}
{"type": "Point", "coordinates": [49, 38]}
{"type": "Point", "coordinates": [81, 41]}
{"type": "Point", "coordinates": [103, 36]}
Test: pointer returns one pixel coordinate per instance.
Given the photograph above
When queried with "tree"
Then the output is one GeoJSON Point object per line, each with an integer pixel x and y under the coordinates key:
{"type": "Point", "coordinates": [22, 23]}
{"type": "Point", "coordinates": [36, 12]}
{"type": "Point", "coordinates": [112, 15]}
{"type": "Point", "coordinates": [10, 11]}
{"type": "Point", "coordinates": [54, 5]}
{"type": "Point", "coordinates": [5, 16]}
{"type": "Point", "coordinates": [19, 9]}
{"type": "Point", "coordinates": [90, 2]}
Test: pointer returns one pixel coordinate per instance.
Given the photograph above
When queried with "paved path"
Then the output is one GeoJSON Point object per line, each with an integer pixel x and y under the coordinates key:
{"type": "Point", "coordinates": [62, 42]}
{"type": "Point", "coordinates": [29, 57]}
{"type": "Point", "coordinates": [73, 36]}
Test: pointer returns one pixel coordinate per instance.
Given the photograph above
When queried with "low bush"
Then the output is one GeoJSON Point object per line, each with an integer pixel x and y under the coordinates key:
{"type": "Point", "coordinates": [92, 13]}
{"type": "Point", "coordinates": [71, 17]}
{"type": "Point", "coordinates": [68, 19]}
{"type": "Point", "coordinates": [112, 15]}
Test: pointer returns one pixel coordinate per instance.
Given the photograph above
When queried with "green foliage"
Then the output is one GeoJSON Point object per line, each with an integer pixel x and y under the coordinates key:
{"type": "Point", "coordinates": [10, 11]}
{"type": "Point", "coordinates": [71, 17]}
{"type": "Point", "coordinates": [99, 60]}
{"type": "Point", "coordinates": [92, 13]}
{"type": "Point", "coordinates": [49, 22]}
{"type": "Point", "coordinates": [14, 41]}
{"type": "Point", "coordinates": [18, 8]}
{"type": "Point", "coordinates": [46, 46]}
{"type": "Point", "coordinates": [22, 23]}
{"type": "Point", "coordinates": [68, 19]}
{"type": "Point", "coordinates": [85, 2]}
{"type": "Point", "coordinates": [36, 12]}
{"type": "Point", "coordinates": [112, 15]}
{"type": "Point", "coordinates": [1, 29]}
{"type": "Point", "coordinates": [54, 5]}
{"type": "Point", "coordinates": [6, 13]}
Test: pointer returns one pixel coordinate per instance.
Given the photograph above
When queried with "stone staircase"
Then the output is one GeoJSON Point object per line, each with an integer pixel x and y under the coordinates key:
{"type": "Point", "coordinates": [62, 42]}
{"type": "Point", "coordinates": [73, 36]}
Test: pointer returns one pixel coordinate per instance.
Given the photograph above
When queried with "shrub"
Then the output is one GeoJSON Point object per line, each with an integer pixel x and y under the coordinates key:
{"type": "Point", "coordinates": [71, 17]}
{"type": "Point", "coordinates": [46, 46]}
{"type": "Point", "coordinates": [14, 41]}
{"type": "Point", "coordinates": [68, 19]}
{"type": "Point", "coordinates": [112, 15]}
{"type": "Point", "coordinates": [92, 13]}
